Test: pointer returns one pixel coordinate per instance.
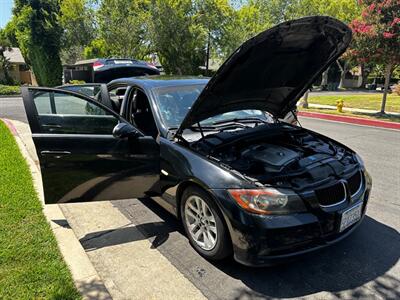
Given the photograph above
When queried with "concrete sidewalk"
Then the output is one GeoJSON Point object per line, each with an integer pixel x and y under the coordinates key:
{"type": "Point", "coordinates": [107, 254]}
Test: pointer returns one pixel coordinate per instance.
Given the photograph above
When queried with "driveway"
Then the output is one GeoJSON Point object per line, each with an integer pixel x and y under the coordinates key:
{"type": "Point", "coordinates": [139, 250]}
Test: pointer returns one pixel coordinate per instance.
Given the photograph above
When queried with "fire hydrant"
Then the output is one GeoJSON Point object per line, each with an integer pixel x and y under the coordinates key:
{"type": "Point", "coordinates": [339, 105]}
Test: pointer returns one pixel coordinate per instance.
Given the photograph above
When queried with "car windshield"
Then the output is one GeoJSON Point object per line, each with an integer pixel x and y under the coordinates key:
{"type": "Point", "coordinates": [174, 102]}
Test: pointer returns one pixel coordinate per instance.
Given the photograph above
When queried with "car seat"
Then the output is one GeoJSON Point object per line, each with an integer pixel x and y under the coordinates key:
{"type": "Point", "coordinates": [142, 115]}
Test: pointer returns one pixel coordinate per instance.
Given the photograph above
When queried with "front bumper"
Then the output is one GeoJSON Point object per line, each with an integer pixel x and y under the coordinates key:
{"type": "Point", "coordinates": [260, 240]}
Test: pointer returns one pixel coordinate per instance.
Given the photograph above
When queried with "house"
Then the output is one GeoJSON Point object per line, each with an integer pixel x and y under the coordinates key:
{"type": "Point", "coordinates": [19, 70]}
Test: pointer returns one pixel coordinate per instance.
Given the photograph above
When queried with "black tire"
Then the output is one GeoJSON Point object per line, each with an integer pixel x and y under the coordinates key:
{"type": "Point", "coordinates": [223, 246]}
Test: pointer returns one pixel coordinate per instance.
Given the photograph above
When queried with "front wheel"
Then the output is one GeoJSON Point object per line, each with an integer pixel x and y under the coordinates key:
{"type": "Point", "coordinates": [204, 225]}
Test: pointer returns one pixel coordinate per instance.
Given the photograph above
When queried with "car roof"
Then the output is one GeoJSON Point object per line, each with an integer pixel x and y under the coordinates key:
{"type": "Point", "coordinates": [161, 81]}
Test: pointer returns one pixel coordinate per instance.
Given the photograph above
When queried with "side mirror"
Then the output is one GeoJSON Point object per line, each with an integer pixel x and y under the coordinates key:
{"type": "Point", "coordinates": [124, 130]}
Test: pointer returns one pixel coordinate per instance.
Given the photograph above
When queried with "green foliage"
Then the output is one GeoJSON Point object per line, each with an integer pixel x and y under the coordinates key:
{"type": "Point", "coordinates": [96, 49]}
{"type": "Point", "coordinates": [217, 20]}
{"type": "Point", "coordinates": [5, 65]}
{"type": "Point", "coordinates": [179, 31]}
{"type": "Point", "coordinates": [178, 38]}
{"type": "Point", "coordinates": [370, 101]}
{"type": "Point", "coordinates": [38, 34]}
{"type": "Point", "coordinates": [344, 10]}
{"type": "Point", "coordinates": [9, 89]}
{"type": "Point", "coordinates": [8, 33]}
{"type": "Point", "coordinates": [76, 17]}
{"type": "Point", "coordinates": [123, 26]}
{"type": "Point", "coordinates": [77, 82]}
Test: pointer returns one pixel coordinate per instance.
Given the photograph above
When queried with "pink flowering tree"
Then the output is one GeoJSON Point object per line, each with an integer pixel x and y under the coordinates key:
{"type": "Point", "coordinates": [376, 37]}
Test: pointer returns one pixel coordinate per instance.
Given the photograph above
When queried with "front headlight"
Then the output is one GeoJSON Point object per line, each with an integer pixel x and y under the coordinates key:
{"type": "Point", "coordinates": [268, 201]}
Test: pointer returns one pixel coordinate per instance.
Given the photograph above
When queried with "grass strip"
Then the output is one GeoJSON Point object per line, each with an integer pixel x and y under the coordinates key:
{"type": "Point", "coordinates": [31, 265]}
{"type": "Point", "coordinates": [364, 101]}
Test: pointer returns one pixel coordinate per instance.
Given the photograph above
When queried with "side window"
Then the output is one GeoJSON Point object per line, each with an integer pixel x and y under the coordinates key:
{"type": "Point", "coordinates": [60, 112]}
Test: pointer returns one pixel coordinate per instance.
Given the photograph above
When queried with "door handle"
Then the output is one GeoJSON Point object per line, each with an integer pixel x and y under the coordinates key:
{"type": "Point", "coordinates": [55, 153]}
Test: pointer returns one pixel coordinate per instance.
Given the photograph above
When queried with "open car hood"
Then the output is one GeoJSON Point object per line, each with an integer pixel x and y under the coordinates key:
{"type": "Point", "coordinates": [272, 70]}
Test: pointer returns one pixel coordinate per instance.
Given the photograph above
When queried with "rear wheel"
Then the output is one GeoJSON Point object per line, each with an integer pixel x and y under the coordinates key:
{"type": "Point", "coordinates": [204, 225]}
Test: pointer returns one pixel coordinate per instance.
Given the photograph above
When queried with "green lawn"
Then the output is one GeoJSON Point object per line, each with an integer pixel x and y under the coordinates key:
{"type": "Point", "coordinates": [31, 266]}
{"type": "Point", "coordinates": [365, 101]}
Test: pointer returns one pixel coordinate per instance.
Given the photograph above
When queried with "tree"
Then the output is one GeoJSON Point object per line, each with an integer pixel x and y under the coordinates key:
{"type": "Point", "coordinates": [8, 33]}
{"type": "Point", "coordinates": [377, 37]}
{"type": "Point", "coordinates": [344, 10]}
{"type": "Point", "coordinates": [176, 35]}
{"type": "Point", "coordinates": [5, 45]}
{"type": "Point", "coordinates": [215, 17]}
{"type": "Point", "coordinates": [38, 34]}
{"type": "Point", "coordinates": [123, 28]}
{"type": "Point", "coordinates": [96, 48]}
{"type": "Point", "coordinates": [77, 20]}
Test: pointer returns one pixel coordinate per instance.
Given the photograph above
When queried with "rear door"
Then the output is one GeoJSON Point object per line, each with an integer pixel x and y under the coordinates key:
{"type": "Point", "coordinates": [79, 157]}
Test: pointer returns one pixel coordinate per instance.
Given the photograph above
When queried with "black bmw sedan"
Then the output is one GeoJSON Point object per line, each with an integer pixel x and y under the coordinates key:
{"type": "Point", "coordinates": [213, 152]}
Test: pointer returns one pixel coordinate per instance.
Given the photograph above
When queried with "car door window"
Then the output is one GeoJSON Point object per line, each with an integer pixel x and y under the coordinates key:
{"type": "Point", "coordinates": [88, 90]}
{"type": "Point", "coordinates": [60, 112]}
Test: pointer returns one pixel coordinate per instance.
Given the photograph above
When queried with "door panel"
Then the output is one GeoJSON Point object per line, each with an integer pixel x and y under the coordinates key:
{"type": "Point", "coordinates": [80, 159]}
{"type": "Point", "coordinates": [94, 167]}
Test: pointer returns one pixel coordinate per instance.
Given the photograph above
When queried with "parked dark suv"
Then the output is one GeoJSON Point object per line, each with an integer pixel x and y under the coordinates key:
{"type": "Point", "coordinates": [104, 70]}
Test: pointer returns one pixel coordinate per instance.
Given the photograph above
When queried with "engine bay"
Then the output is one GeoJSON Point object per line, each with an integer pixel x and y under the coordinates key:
{"type": "Point", "coordinates": [279, 154]}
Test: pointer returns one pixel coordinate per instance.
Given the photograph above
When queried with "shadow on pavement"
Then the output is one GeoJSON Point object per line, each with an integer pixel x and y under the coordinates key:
{"type": "Point", "coordinates": [106, 238]}
{"type": "Point", "coordinates": [371, 251]}
{"type": "Point", "coordinates": [363, 258]}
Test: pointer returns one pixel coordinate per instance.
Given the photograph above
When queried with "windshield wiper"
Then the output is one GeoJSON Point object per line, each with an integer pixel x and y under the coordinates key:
{"type": "Point", "coordinates": [241, 120]}
{"type": "Point", "coordinates": [196, 127]}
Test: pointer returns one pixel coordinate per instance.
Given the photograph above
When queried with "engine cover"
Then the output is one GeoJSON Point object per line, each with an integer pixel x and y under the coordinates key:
{"type": "Point", "coordinates": [273, 157]}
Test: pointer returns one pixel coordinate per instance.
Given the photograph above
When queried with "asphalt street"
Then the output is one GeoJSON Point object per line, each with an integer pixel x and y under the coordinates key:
{"type": "Point", "coordinates": [12, 108]}
{"type": "Point", "coordinates": [365, 265]}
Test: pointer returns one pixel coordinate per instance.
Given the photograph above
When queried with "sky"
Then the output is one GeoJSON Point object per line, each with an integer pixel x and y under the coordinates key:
{"type": "Point", "coordinates": [5, 11]}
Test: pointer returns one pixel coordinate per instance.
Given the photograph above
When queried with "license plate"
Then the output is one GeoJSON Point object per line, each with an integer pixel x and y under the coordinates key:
{"type": "Point", "coordinates": [350, 216]}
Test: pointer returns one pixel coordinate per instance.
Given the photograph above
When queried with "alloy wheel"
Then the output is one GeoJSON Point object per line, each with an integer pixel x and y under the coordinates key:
{"type": "Point", "coordinates": [200, 222]}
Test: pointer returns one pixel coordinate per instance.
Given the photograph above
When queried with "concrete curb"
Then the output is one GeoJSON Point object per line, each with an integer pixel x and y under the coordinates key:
{"type": "Point", "coordinates": [85, 276]}
{"type": "Point", "coordinates": [10, 96]}
{"type": "Point", "coordinates": [351, 120]}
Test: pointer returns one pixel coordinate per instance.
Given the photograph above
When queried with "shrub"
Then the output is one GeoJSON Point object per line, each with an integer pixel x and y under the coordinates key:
{"type": "Point", "coordinates": [75, 81]}
{"type": "Point", "coordinates": [9, 89]}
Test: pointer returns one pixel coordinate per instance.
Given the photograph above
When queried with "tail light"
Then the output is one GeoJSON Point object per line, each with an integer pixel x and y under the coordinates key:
{"type": "Point", "coordinates": [97, 64]}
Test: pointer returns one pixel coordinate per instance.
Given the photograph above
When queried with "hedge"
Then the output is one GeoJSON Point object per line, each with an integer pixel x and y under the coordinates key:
{"type": "Point", "coordinates": [9, 89]}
